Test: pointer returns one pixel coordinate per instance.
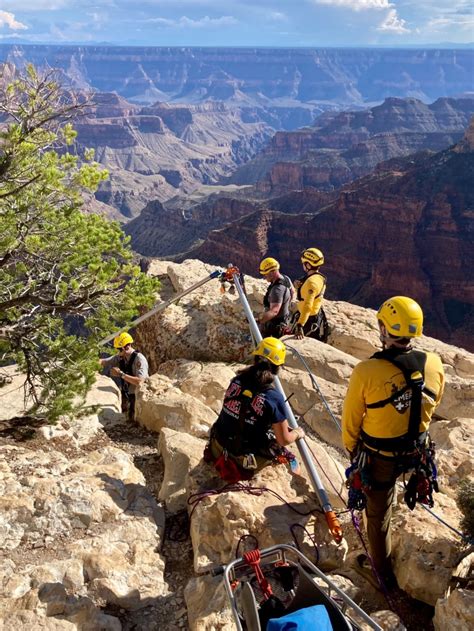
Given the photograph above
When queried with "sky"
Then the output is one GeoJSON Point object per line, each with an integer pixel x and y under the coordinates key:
{"type": "Point", "coordinates": [274, 23]}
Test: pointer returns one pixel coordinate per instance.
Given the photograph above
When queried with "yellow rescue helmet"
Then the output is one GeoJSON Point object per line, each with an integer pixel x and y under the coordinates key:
{"type": "Point", "coordinates": [313, 256]}
{"type": "Point", "coordinates": [402, 317]}
{"type": "Point", "coordinates": [272, 349]}
{"type": "Point", "coordinates": [122, 339]}
{"type": "Point", "coordinates": [269, 265]}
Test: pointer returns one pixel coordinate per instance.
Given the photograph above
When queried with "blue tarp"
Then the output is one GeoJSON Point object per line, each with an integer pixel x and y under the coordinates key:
{"type": "Point", "coordinates": [314, 618]}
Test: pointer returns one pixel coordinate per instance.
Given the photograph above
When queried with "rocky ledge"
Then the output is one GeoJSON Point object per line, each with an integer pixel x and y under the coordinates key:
{"type": "Point", "coordinates": [92, 509]}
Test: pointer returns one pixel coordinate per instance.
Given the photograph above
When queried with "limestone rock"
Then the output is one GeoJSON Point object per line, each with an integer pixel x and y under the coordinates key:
{"type": "Point", "coordinates": [307, 402]}
{"type": "Point", "coordinates": [220, 520]}
{"type": "Point", "coordinates": [181, 453]}
{"type": "Point", "coordinates": [424, 552]}
{"type": "Point", "coordinates": [208, 605]}
{"type": "Point", "coordinates": [454, 452]}
{"type": "Point", "coordinates": [204, 381]}
{"type": "Point", "coordinates": [323, 361]}
{"type": "Point", "coordinates": [458, 398]}
{"type": "Point", "coordinates": [456, 612]}
{"type": "Point", "coordinates": [161, 404]}
{"type": "Point", "coordinates": [32, 621]}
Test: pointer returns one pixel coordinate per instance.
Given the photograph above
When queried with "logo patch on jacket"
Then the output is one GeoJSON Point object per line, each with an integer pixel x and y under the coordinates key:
{"type": "Point", "coordinates": [402, 402]}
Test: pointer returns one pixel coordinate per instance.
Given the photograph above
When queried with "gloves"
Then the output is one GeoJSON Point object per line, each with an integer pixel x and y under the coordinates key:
{"type": "Point", "coordinates": [299, 333]}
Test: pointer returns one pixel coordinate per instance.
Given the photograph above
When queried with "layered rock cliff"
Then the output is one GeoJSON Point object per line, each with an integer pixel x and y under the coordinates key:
{"type": "Point", "coordinates": [339, 148]}
{"type": "Point", "coordinates": [257, 76]}
{"type": "Point", "coordinates": [156, 152]}
{"type": "Point", "coordinates": [406, 229]}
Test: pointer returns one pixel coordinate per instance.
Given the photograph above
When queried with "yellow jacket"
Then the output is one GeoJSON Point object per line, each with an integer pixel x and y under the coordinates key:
{"type": "Point", "coordinates": [374, 380]}
{"type": "Point", "coordinates": [310, 296]}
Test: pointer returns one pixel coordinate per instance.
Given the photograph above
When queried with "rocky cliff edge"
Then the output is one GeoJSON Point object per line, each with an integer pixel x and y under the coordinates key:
{"type": "Point", "coordinates": [90, 507]}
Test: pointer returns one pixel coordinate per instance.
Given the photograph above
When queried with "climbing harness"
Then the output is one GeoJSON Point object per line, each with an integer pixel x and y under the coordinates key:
{"type": "Point", "coordinates": [279, 586]}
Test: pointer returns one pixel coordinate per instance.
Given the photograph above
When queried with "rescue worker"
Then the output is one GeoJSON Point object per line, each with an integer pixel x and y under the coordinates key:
{"type": "Point", "coordinates": [386, 415]}
{"type": "Point", "coordinates": [280, 294]}
{"type": "Point", "coordinates": [310, 318]}
{"type": "Point", "coordinates": [252, 430]}
{"type": "Point", "coordinates": [132, 369]}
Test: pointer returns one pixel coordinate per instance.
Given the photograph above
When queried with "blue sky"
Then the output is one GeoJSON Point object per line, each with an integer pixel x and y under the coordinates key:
{"type": "Point", "coordinates": [287, 23]}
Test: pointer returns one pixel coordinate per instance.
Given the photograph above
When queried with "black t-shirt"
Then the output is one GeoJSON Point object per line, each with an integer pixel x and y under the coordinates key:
{"type": "Point", "coordinates": [263, 409]}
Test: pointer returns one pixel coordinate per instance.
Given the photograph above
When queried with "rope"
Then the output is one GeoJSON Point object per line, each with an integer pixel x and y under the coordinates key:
{"type": "Point", "coordinates": [252, 558]}
{"type": "Point", "coordinates": [311, 537]}
{"type": "Point", "coordinates": [196, 498]}
{"type": "Point", "coordinates": [315, 385]}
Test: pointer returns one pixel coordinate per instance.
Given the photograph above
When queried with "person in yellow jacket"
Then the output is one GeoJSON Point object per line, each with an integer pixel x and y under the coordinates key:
{"type": "Point", "coordinates": [311, 320]}
{"type": "Point", "coordinates": [386, 415]}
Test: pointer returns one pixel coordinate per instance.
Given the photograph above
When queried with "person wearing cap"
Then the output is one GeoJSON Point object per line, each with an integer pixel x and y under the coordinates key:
{"type": "Point", "coordinates": [131, 367]}
{"type": "Point", "coordinates": [386, 415]}
{"type": "Point", "coordinates": [310, 319]}
{"type": "Point", "coordinates": [252, 431]}
{"type": "Point", "coordinates": [278, 298]}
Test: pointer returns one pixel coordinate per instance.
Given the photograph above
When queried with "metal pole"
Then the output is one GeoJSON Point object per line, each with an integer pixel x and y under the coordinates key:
{"type": "Point", "coordinates": [332, 521]}
{"type": "Point", "coordinates": [162, 305]}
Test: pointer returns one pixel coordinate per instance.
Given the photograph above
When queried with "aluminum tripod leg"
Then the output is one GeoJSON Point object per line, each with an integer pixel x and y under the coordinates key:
{"type": "Point", "coordinates": [332, 521]}
{"type": "Point", "coordinates": [162, 305]}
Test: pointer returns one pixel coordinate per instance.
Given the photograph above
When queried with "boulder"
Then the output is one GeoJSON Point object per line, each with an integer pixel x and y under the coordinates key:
{"type": "Point", "coordinates": [454, 450]}
{"type": "Point", "coordinates": [204, 381]}
{"type": "Point", "coordinates": [458, 398]}
{"type": "Point", "coordinates": [218, 521]}
{"type": "Point", "coordinates": [123, 567]}
{"type": "Point", "coordinates": [322, 360]}
{"type": "Point", "coordinates": [424, 551]}
{"type": "Point", "coordinates": [181, 452]}
{"type": "Point", "coordinates": [161, 404]}
{"type": "Point", "coordinates": [455, 612]}
{"type": "Point", "coordinates": [208, 605]}
{"type": "Point", "coordinates": [308, 403]}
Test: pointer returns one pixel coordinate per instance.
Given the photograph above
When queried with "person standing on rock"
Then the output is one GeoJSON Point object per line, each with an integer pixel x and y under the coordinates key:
{"type": "Point", "coordinates": [310, 319]}
{"type": "Point", "coordinates": [252, 431]}
{"type": "Point", "coordinates": [386, 415]}
{"type": "Point", "coordinates": [131, 367]}
{"type": "Point", "coordinates": [280, 294]}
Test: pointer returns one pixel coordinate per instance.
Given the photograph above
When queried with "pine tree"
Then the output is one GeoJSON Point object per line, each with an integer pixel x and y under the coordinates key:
{"type": "Point", "coordinates": [67, 278]}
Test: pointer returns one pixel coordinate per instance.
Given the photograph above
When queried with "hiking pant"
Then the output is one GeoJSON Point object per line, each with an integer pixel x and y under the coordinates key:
{"type": "Point", "coordinates": [128, 405]}
{"type": "Point", "coordinates": [273, 328]}
{"type": "Point", "coordinates": [383, 475]}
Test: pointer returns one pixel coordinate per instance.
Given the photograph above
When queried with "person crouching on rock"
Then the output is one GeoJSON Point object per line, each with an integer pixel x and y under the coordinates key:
{"type": "Point", "coordinates": [252, 430]}
{"type": "Point", "coordinates": [131, 367]}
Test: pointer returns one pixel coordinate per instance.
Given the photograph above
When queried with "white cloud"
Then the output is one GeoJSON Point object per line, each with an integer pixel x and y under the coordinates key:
{"type": "Point", "coordinates": [357, 5]}
{"type": "Point", "coordinates": [8, 19]}
{"type": "Point", "coordinates": [204, 22]}
{"type": "Point", "coordinates": [448, 22]}
{"type": "Point", "coordinates": [393, 24]}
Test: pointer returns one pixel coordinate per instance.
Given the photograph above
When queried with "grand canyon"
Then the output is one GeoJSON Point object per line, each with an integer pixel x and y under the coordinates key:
{"type": "Point", "coordinates": [232, 154]}
{"type": "Point", "coordinates": [219, 156]}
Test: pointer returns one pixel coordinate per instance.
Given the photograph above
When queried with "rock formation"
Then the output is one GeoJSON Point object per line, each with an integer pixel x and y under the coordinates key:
{"type": "Point", "coordinates": [156, 152]}
{"type": "Point", "coordinates": [79, 509]}
{"type": "Point", "coordinates": [340, 147]}
{"type": "Point", "coordinates": [407, 228]}
{"type": "Point", "coordinates": [282, 78]}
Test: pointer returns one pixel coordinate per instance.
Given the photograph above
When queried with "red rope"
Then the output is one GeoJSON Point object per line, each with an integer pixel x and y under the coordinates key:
{"type": "Point", "coordinates": [252, 558]}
